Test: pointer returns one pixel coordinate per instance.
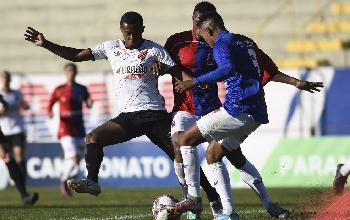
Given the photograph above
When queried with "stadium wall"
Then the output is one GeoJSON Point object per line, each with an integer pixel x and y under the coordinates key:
{"type": "Point", "coordinates": [308, 134]}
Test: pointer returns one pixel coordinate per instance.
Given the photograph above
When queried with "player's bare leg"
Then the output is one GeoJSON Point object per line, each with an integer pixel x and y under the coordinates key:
{"type": "Point", "coordinates": [106, 134]}
{"type": "Point", "coordinates": [17, 176]}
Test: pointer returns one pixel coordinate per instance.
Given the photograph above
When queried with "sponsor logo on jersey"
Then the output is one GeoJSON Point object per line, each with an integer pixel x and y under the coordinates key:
{"type": "Point", "coordinates": [143, 54]}
{"type": "Point", "coordinates": [133, 72]}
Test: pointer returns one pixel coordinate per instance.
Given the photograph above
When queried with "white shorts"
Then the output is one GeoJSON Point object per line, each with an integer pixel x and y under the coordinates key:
{"type": "Point", "coordinates": [219, 125]}
{"type": "Point", "coordinates": [73, 146]}
{"type": "Point", "coordinates": [182, 121]}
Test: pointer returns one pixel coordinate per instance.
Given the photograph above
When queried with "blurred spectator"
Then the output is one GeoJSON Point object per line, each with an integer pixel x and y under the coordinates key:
{"type": "Point", "coordinates": [71, 133]}
{"type": "Point", "coordinates": [14, 170]}
{"type": "Point", "coordinates": [11, 121]}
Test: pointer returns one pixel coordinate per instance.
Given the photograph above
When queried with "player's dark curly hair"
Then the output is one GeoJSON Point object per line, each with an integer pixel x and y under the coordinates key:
{"type": "Point", "coordinates": [204, 7]}
{"type": "Point", "coordinates": [131, 17]}
{"type": "Point", "coordinates": [214, 17]}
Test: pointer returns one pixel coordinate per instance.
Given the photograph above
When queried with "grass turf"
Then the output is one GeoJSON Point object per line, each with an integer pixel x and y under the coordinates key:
{"type": "Point", "coordinates": [115, 204]}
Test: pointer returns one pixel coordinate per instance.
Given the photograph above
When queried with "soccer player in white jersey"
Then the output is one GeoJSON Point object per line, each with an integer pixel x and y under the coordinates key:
{"type": "Point", "coordinates": [11, 121]}
{"type": "Point", "coordinates": [142, 108]}
{"type": "Point", "coordinates": [14, 170]}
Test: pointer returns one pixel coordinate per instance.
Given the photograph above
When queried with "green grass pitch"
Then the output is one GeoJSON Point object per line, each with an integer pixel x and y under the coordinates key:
{"type": "Point", "coordinates": [118, 204]}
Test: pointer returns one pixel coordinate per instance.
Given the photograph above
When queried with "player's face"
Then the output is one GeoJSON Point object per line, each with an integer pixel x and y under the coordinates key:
{"type": "Point", "coordinates": [206, 34]}
{"type": "Point", "coordinates": [132, 34]}
{"type": "Point", "coordinates": [195, 29]}
{"type": "Point", "coordinates": [70, 73]}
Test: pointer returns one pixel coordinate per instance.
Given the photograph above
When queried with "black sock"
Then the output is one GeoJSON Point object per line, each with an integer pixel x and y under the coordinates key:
{"type": "Point", "coordinates": [93, 159]}
{"type": "Point", "coordinates": [23, 166]}
{"type": "Point", "coordinates": [17, 176]}
{"type": "Point", "coordinates": [212, 195]}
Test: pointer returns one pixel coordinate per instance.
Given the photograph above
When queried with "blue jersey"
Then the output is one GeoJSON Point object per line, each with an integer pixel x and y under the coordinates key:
{"type": "Point", "coordinates": [197, 57]}
{"type": "Point", "coordinates": [237, 66]}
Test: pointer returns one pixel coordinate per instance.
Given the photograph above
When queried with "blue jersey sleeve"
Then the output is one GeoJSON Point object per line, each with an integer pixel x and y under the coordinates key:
{"type": "Point", "coordinates": [225, 62]}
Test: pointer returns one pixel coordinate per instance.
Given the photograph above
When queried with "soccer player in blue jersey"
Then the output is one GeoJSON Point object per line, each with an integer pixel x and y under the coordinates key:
{"type": "Point", "coordinates": [243, 111]}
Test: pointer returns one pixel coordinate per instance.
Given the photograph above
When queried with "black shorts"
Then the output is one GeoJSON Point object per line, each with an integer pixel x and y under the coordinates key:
{"type": "Point", "coordinates": [155, 124]}
{"type": "Point", "coordinates": [16, 140]}
{"type": "Point", "coordinates": [2, 137]}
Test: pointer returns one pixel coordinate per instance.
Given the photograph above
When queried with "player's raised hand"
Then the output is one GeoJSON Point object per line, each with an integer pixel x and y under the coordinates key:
{"type": "Point", "coordinates": [309, 86]}
{"type": "Point", "coordinates": [182, 86]}
{"type": "Point", "coordinates": [34, 36]}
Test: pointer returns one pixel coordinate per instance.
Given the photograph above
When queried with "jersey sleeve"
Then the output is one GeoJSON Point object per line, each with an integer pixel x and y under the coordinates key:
{"type": "Point", "coordinates": [99, 51]}
{"type": "Point", "coordinates": [225, 65]}
{"type": "Point", "coordinates": [163, 56]}
{"type": "Point", "coordinates": [86, 94]}
{"type": "Point", "coordinates": [53, 99]}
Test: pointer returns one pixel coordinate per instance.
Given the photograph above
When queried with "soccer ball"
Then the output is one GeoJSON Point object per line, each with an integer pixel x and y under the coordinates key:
{"type": "Point", "coordinates": [160, 205]}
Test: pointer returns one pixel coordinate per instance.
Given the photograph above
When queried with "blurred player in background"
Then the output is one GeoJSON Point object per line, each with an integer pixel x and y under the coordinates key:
{"type": "Point", "coordinates": [71, 132]}
{"type": "Point", "coordinates": [11, 121]}
{"type": "Point", "coordinates": [138, 99]}
{"type": "Point", "coordinates": [192, 52]}
{"type": "Point", "coordinates": [341, 176]}
{"type": "Point", "coordinates": [14, 170]}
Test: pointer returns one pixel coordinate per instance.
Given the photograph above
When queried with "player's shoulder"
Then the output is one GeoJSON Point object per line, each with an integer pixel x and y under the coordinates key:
{"type": "Point", "coordinates": [177, 38]}
{"type": "Point", "coordinates": [246, 39]}
{"type": "Point", "coordinates": [149, 44]}
{"type": "Point", "coordinates": [184, 35]}
{"type": "Point", "coordinates": [60, 87]}
{"type": "Point", "coordinates": [112, 43]}
{"type": "Point", "coordinates": [81, 86]}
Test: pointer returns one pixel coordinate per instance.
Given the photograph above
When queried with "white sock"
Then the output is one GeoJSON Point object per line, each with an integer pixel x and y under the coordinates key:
{"type": "Point", "coordinates": [221, 182]}
{"type": "Point", "coordinates": [179, 171]}
{"type": "Point", "coordinates": [251, 176]}
{"type": "Point", "coordinates": [207, 170]}
{"type": "Point", "coordinates": [70, 169]}
{"type": "Point", "coordinates": [345, 169]}
{"type": "Point", "coordinates": [191, 169]}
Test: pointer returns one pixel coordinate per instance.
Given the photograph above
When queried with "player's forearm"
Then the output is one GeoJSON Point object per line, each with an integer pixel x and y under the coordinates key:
{"type": "Point", "coordinates": [67, 53]}
{"type": "Point", "coordinates": [284, 78]}
{"type": "Point", "coordinates": [218, 75]}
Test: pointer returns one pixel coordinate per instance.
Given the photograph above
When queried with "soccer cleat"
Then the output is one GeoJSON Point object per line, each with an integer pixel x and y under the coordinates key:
{"type": "Point", "coordinates": [31, 199]}
{"type": "Point", "coordinates": [339, 181]}
{"type": "Point", "coordinates": [277, 211]}
{"type": "Point", "coordinates": [84, 186]}
{"type": "Point", "coordinates": [216, 208]}
{"type": "Point", "coordinates": [233, 216]}
{"type": "Point", "coordinates": [188, 204]}
{"type": "Point", "coordinates": [65, 191]}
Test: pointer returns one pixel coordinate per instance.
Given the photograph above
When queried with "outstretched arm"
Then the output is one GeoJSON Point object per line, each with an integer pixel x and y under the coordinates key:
{"type": "Point", "coordinates": [272, 73]}
{"type": "Point", "coordinates": [68, 53]}
{"type": "Point", "coordinates": [300, 84]}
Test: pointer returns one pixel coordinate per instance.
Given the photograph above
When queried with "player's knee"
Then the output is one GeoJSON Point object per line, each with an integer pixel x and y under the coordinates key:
{"type": "Point", "coordinates": [6, 157]}
{"type": "Point", "coordinates": [92, 137]}
{"type": "Point", "coordinates": [237, 158]}
{"type": "Point", "coordinates": [175, 140]}
{"type": "Point", "coordinates": [210, 156]}
{"type": "Point", "coordinates": [185, 140]}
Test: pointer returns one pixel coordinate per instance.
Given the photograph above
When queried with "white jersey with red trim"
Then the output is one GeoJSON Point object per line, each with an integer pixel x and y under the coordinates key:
{"type": "Point", "coordinates": [136, 85]}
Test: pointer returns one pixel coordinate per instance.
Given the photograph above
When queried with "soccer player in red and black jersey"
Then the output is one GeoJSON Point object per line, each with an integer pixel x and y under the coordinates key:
{"type": "Point", "coordinates": [189, 50]}
{"type": "Point", "coordinates": [71, 132]}
{"type": "Point", "coordinates": [14, 169]}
